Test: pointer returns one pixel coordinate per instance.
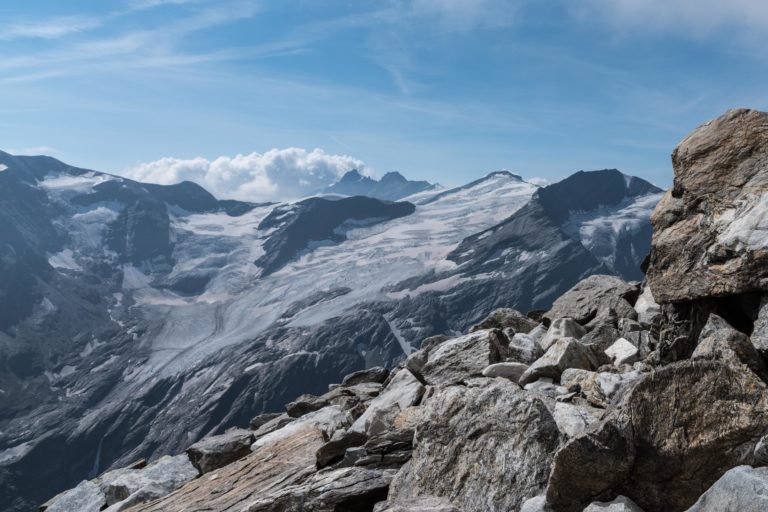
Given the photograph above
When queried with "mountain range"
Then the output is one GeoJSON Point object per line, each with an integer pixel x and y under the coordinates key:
{"type": "Point", "coordinates": [136, 319]}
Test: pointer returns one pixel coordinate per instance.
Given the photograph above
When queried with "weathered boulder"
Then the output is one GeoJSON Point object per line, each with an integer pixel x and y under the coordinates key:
{"type": "Point", "coordinates": [404, 390]}
{"type": "Point", "coordinates": [545, 387]}
{"type": "Point", "coordinates": [709, 228]}
{"type": "Point", "coordinates": [741, 489]}
{"type": "Point", "coordinates": [600, 388]}
{"type": "Point", "coordinates": [485, 446]}
{"type": "Point", "coordinates": [602, 336]}
{"type": "Point", "coordinates": [759, 336]}
{"type": "Point", "coordinates": [466, 356]}
{"type": "Point", "coordinates": [347, 397]}
{"type": "Point", "coordinates": [420, 504]}
{"type": "Point", "coordinates": [334, 450]}
{"type": "Point", "coordinates": [217, 451]}
{"type": "Point", "coordinates": [718, 340]}
{"type": "Point", "coordinates": [573, 419]}
{"type": "Point", "coordinates": [508, 370]}
{"type": "Point", "coordinates": [564, 353]}
{"type": "Point", "coordinates": [678, 431]}
{"type": "Point", "coordinates": [390, 437]}
{"type": "Point", "coordinates": [262, 419]}
{"type": "Point", "coordinates": [305, 404]}
{"type": "Point", "coordinates": [562, 328]}
{"type": "Point", "coordinates": [505, 318]}
{"type": "Point", "coordinates": [596, 294]}
{"type": "Point", "coordinates": [524, 348]}
{"type": "Point", "coordinates": [376, 374]}
{"type": "Point", "coordinates": [273, 424]}
{"type": "Point", "coordinates": [648, 310]}
{"type": "Point", "coordinates": [87, 496]}
{"type": "Point", "coordinates": [623, 352]}
{"type": "Point", "coordinates": [620, 504]}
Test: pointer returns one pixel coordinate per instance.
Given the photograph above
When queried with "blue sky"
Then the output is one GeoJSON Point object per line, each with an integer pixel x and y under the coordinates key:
{"type": "Point", "coordinates": [301, 90]}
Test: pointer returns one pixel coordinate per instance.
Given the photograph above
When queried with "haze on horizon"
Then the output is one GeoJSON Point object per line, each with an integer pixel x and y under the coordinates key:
{"type": "Point", "coordinates": [250, 97]}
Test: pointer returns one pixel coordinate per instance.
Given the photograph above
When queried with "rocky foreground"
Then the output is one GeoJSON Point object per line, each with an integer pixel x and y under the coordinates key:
{"type": "Point", "coordinates": [622, 397]}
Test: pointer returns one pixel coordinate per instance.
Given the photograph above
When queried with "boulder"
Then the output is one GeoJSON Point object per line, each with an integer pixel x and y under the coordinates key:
{"type": "Point", "coordinates": [260, 420]}
{"type": "Point", "coordinates": [511, 370]}
{"type": "Point", "coordinates": [536, 504]}
{"type": "Point", "coordinates": [623, 352]}
{"type": "Point", "coordinates": [391, 437]}
{"type": "Point", "coordinates": [573, 419]}
{"type": "Point", "coordinates": [620, 504]}
{"type": "Point", "coordinates": [524, 348]}
{"type": "Point", "coordinates": [217, 451]}
{"type": "Point", "coordinates": [563, 354]}
{"type": "Point", "coordinates": [466, 356]}
{"type": "Point", "coordinates": [596, 294]}
{"type": "Point", "coordinates": [485, 445]}
{"type": "Point", "coordinates": [507, 318]}
{"type": "Point", "coordinates": [602, 336]}
{"type": "Point", "coordinates": [709, 229]}
{"type": "Point", "coordinates": [404, 390]}
{"type": "Point", "coordinates": [718, 340]}
{"type": "Point", "coordinates": [270, 426]}
{"type": "Point", "coordinates": [561, 328]}
{"type": "Point", "coordinates": [678, 430]}
{"type": "Point", "coordinates": [759, 336]}
{"type": "Point", "coordinates": [546, 387]}
{"type": "Point", "coordinates": [87, 496]}
{"type": "Point", "coordinates": [376, 374]}
{"type": "Point", "coordinates": [741, 489]}
{"type": "Point", "coordinates": [305, 404]}
{"type": "Point", "coordinates": [420, 504]}
{"type": "Point", "coordinates": [648, 310]}
{"type": "Point", "coordinates": [335, 449]}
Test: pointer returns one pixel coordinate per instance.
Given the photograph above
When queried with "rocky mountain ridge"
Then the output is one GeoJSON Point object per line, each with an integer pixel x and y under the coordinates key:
{"type": "Point", "coordinates": [153, 322]}
{"type": "Point", "coordinates": [609, 400]}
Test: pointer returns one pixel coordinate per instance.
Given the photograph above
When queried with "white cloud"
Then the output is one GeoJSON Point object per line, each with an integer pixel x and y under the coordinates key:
{"type": "Point", "coordinates": [49, 29]}
{"type": "Point", "coordinates": [698, 18]}
{"type": "Point", "coordinates": [278, 174]}
{"type": "Point", "coordinates": [536, 180]}
{"type": "Point", "coordinates": [467, 14]}
{"type": "Point", "coordinates": [33, 151]}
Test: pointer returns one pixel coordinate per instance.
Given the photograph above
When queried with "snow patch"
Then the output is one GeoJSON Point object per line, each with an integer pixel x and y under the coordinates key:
{"type": "Point", "coordinates": [3, 167]}
{"type": "Point", "coordinates": [64, 260]}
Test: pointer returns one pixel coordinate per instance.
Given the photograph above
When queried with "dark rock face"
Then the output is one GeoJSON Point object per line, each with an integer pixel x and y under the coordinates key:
{"type": "Point", "coordinates": [320, 221]}
{"type": "Point", "coordinates": [707, 231]}
{"type": "Point", "coordinates": [391, 187]}
{"type": "Point", "coordinates": [217, 451]}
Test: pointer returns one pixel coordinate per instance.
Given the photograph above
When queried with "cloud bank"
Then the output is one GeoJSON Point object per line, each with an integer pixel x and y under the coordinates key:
{"type": "Point", "coordinates": [276, 175]}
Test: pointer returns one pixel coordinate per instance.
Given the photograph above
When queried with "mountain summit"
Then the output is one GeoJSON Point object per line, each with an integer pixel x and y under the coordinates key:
{"type": "Point", "coordinates": [392, 186]}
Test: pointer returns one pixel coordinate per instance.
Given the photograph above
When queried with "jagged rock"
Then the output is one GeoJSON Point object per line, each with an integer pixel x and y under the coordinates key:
{"type": "Point", "coordinates": [376, 374]}
{"type": "Point", "coordinates": [620, 504]}
{"type": "Point", "coordinates": [433, 341]}
{"type": "Point", "coordinates": [546, 387]}
{"type": "Point", "coordinates": [648, 310]}
{"type": "Point", "coordinates": [507, 318]}
{"type": "Point", "coordinates": [306, 404]}
{"type": "Point", "coordinates": [536, 504]}
{"type": "Point", "coordinates": [485, 445]}
{"type": "Point", "coordinates": [573, 419]}
{"type": "Point", "coordinates": [508, 370]}
{"type": "Point", "coordinates": [279, 461]}
{"type": "Point", "coordinates": [741, 489]}
{"type": "Point", "coordinates": [679, 429]}
{"type": "Point", "coordinates": [391, 437]}
{"type": "Point", "coordinates": [759, 336]}
{"type": "Point", "coordinates": [276, 423]}
{"type": "Point", "coordinates": [718, 340]}
{"type": "Point", "coordinates": [420, 504]}
{"type": "Point", "coordinates": [524, 348]}
{"type": "Point", "coordinates": [339, 489]}
{"type": "Point", "coordinates": [404, 390]}
{"type": "Point", "coordinates": [216, 451]}
{"type": "Point", "coordinates": [709, 229]}
{"type": "Point", "coordinates": [466, 356]}
{"type": "Point", "coordinates": [564, 353]}
{"type": "Point", "coordinates": [595, 294]}
{"type": "Point", "coordinates": [602, 336]}
{"type": "Point", "coordinates": [334, 450]}
{"type": "Point", "coordinates": [623, 352]}
{"type": "Point", "coordinates": [561, 328]}
{"type": "Point", "coordinates": [602, 388]}
{"type": "Point", "coordinates": [86, 497]}
{"type": "Point", "coordinates": [122, 487]}
{"type": "Point", "coordinates": [260, 420]}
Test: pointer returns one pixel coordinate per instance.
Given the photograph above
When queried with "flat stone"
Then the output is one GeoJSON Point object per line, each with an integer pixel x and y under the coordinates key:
{"type": "Point", "coordinates": [563, 354]}
{"type": "Point", "coordinates": [623, 352]}
{"type": "Point", "coordinates": [466, 356]}
{"type": "Point", "coordinates": [376, 374]}
{"type": "Point", "coordinates": [508, 370]}
{"type": "Point", "coordinates": [217, 451]}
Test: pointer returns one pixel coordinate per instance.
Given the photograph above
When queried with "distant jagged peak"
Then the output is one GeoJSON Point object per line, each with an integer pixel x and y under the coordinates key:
{"type": "Point", "coordinates": [392, 186]}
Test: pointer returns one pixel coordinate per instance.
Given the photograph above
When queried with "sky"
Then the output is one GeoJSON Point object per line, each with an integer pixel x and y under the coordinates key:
{"type": "Point", "coordinates": [263, 100]}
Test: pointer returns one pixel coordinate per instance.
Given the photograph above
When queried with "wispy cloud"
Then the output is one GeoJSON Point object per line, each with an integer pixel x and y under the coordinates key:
{"type": "Point", "coordinates": [53, 28]}
{"type": "Point", "coordinates": [33, 150]}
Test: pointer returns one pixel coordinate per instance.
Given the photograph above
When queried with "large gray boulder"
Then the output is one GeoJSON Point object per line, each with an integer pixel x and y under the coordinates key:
{"type": "Point", "coordinates": [376, 374]}
{"type": "Point", "coordinates": [403, 391]}
{"type": "Point", "coordinates": [562, 328]}
{"type": "Point", "coordinates": [563, 354]}
{"type": "Point", "coordinates": [718, 340]}
{"type": "Point", "coordinates": [217, 451]}
{"type": "Point", "coordinates": [486, 446]}
{"type": "Point", "coordinates": [741, 489]}
{"type": "Point", "coordinates": [466, 356]}
{"type": "Point", "coordinates": [678, 431]}
{"type": "Point", "coordinates": [507, 318]}
{"type": "Point", "coordinates": [709, 228]}
{"type": "Point", "coordinates": [597, 295]}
